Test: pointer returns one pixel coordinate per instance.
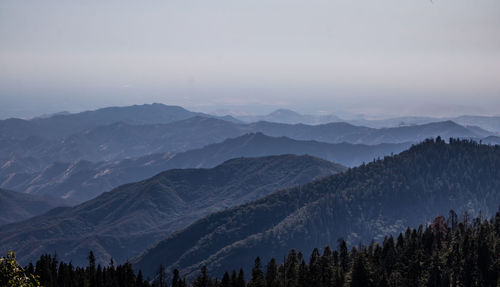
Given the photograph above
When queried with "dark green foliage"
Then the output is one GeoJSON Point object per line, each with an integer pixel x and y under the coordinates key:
{"type": "Point", "coordinates": [240, 282]}
{"type": "Point", "coordinates": [364, 203]}
{"type": "Point", "coordinates": [52, 273]}
{"type": "Point", "coordinates": [435, 256]}
{"type": "Point", "coordinates": [272, 278]}
{"type": "Point", "coordinates": [202, 280]}
{"type": "Point", "coordinates": [13, 275]}
{"type": "Point", "coordinates": [127, 220]}
{"type": "Point", "coordinates": [257, 275]}
{"type": "Point", "coordinates": [360, 276]}
{"type": "Point", "coordinates": [225, 282]}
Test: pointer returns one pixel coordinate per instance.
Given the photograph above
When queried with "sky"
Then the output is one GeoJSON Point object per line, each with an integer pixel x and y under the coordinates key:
{"type": "Point", "coordinates": [378, 58]}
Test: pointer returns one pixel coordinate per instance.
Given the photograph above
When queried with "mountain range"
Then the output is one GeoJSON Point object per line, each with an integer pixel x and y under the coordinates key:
{"type": "Point", "coordinates": [102, 154]}
{"type": "Point", "coordinates": [123, 222]}
{"type": "Point", "coordinates": [82, 180]}
{"type": "Point", "coordinates": [489, 123]}
{"type": "Point", "coordinates": [164, 185]}
{"type": "Point", "coordinates": [286, 116]}
{"type": "Point", "coordinates": [121, 140]}
{"type": "Point", "coordinates": [62, 125]}
{"type": "Point", "coordinates": [362, 204]}
{"type": "Point", "coordinates": [344, 132]}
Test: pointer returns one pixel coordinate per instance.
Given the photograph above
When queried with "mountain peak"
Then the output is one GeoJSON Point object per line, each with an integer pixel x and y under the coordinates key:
{"type": "Point", "coordinates": [284, 112]}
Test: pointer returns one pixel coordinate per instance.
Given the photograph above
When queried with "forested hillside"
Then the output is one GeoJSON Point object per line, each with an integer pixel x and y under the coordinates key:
{"type": "Point", "coordinates": [125, 221]}
{"type": "Point", "coordinates": [457, 251]}
{"type": "Point", "coordinates": [83, 180]}
{"type": "Point", "coordinates": [450, 252]}
{"type": "Point", "coordinates": [362, 204]}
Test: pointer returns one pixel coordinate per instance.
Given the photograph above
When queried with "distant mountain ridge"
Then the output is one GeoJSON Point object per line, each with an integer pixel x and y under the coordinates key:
{"type": "Point", "coordinates": [123, 222]}
{"type": "Point", "coordinates": [344, 132]}
{"type": "Point", "coordinates": [66, 124]}
{"type": "Point", "coordinates": [120, 140]}
{"type": "Point", "coordinates": [487, 123]}
{"type": "Point", "coordinates": [361, 204]}
{"type": "Point", "coordinates": [82, 180]}
{"type": "Point", "coordinates": [286, 116]}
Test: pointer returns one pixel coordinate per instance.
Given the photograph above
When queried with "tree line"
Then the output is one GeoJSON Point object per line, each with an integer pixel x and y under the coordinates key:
{"type": "Point", "coordinates": [446, 252]}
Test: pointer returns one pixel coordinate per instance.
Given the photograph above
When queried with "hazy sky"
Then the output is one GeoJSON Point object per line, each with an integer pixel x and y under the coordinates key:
{"type": "Point", "coordinates": [376, 57]}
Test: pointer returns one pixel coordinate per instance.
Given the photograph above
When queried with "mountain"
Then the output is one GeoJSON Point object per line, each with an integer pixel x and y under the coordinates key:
{"type": "Point", "coordinates": [394, 122]}
{"type": "Point", "coordinates": [446, 129]}
{"type": "Point", "coordinates": [488, 123]}
{"type": "Point", "coordinates": [16, 206]}
{"type": "Point", "coordinates": [63, 125]}
{"type": "Point", "coordinates": [123, 222]}
{"type": "Point", "coordinates": [121, 140]}
{"type": "Point", "coordinates": [83, 180]}
{"type": "Point", "coordinates": [344, 132]}
{"type": "Point", "coordinates": [361, 204]}
{"type": "Point", "coordinates": [479, 131]}
{"type": "Point", "coordinates": [259, 144]}
{"type": "Point", "coordinates": [291, 117]}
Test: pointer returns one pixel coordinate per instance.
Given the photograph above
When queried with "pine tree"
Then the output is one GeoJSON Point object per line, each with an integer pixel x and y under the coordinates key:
{"type": "Point", "coordinates": [234, 279]}
{"type": "Point", "coordinates": [315, 269]}
{"type": "Point", "coordinates": [291, 269]}
{"type": "Point", "coordinates": [272, 279]}
{"type": "Point", "coordinates": [91, 269]}
{"type": "Point", "coordinates": [343, 255]}
{"type": "Point", "coordinates": [225, 282]}
{"type": "Point", "coordinates": [202, 280]}
{"type": "Point", "coordinates": [240, 282]}
{"type": "Point", "coordinates": [257, 279]}
{"type": "Point", "coordinates": [176, 281]}
{"type": "Point", "coordinates": [360, 276]}
{"type": "Point", "coordinates": [160, 276]}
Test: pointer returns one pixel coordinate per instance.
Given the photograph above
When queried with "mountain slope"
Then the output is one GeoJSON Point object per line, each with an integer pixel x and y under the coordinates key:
{"type": "Point", "coordinates": [361, 204]}
{"type": "Point", "coordinates": [82, 180]}
{"type": "Point", "coordinates": [120, 140]}
{"type": "Point", "coordinates": [488, 123]}
{"type": "Point", "coordinates": [123, 222]}
{"type": "Point", "coordinates": [16, 206]}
